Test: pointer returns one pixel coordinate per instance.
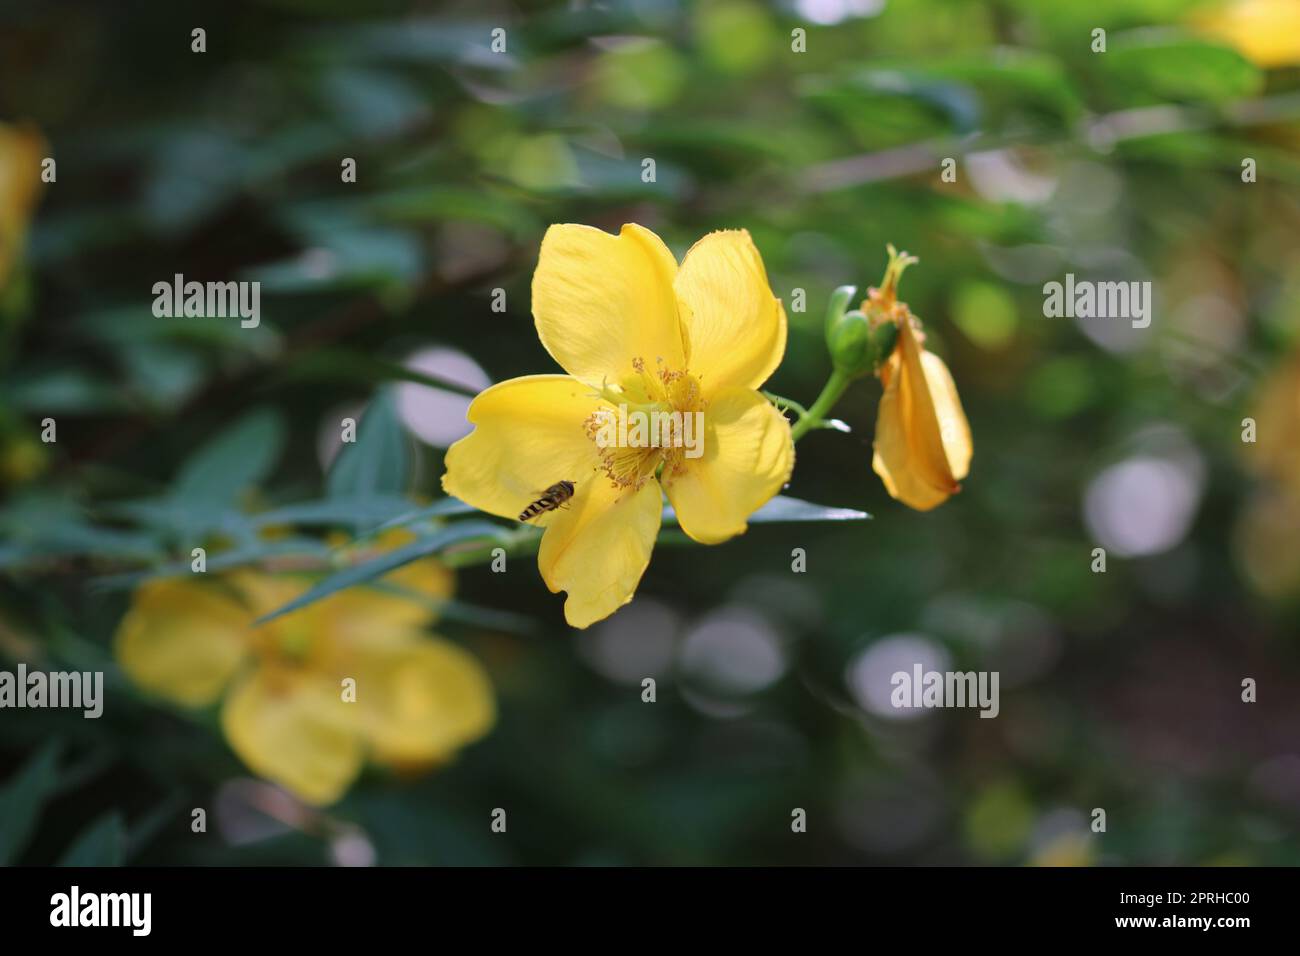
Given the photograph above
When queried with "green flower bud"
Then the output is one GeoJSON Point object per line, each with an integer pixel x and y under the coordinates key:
{"type": "Point", "coordinates": [883, 339]}
{"type": "Point", "coordinates": [856, 348]}
{"type": "Point", "coordinates": [840, 300]}
{"type": "Point", "coordinates": [849, 341]}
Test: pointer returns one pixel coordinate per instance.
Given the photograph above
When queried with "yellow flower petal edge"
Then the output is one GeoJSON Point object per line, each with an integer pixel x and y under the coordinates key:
{"type": "Point", "coordinates": [21, 150]}
{"type": "Point", "coordinates": [294, 729]}
{"type": "Point", "coordinates": [182, 641]}
{"type": "Point", "coordinates": [1276, 411]}
{"type": "Point", "coordinates": [735, 326]}
{"type": "Point", "coordinates": [422, 702]}
{"type": "Point", "coordinates": [528, 435]}
{"type": "Point", "coordinates": [748, 457]}
{"type": "Point", "coordinates": [923, 442]}
{"type": "Point", "coordinates": [1266, 32]}
{"type": "Point", "coordinates": [599, 548]}
{"type": "Point", "coordinates": [602, 301]}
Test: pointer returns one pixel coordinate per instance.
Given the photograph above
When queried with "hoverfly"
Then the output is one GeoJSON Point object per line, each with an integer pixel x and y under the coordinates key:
{"type": "Point", "coordinates": [552, 498]}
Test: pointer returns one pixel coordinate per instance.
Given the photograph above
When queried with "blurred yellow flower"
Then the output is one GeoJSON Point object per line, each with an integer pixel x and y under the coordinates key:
{"type": "Point", "coordinates": [1267, 529]}
{"type": "Point", "coordinates": [1265, 542]}
{"type": "Point", "coordinates": [1275, 453]}
{"type": "Point", "coordinates": [22, 459]}
{"type": "Point", "coordinates": [1265, 31]}
{"type": "Point", "coordinates": [923, 441]}
{"type": "Point", "coordinates": [309, 696]}
{"type": "Point", "coordinates": [21, 151]}
{"type": "Point", "coordinates": [633, 329]}
{"type": "Point", "coordinates": [1065, 849]}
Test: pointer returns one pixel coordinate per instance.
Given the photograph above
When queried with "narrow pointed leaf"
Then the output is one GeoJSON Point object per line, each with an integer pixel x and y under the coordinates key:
{"type": "Point", "coordinates": [786, 509]}
{"type": "Point", "coordinates": [23, 796]}
{"type": "Point", "coordinates": [389, 561]}
{"type": "Point", "coordinates": [103, 843]}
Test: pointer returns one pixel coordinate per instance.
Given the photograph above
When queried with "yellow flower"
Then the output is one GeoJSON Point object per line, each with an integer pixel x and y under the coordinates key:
{"type": "Point", "coordinates": [1267, 530]}
{"type": "Point", "coordinates": [1065, 849]}
{"type": "Point", "coordinates": [1275, 452]}
{"type": "Point", "coordinates": [1264, 542]}
{"type": "Point", "coordinates": [1265, 31]}
{"type": "Point", "coordinates": [286, 711]}
{"type": "Point", "coordinates": [631, 328]}
{"type": "Point", "coordinates": [923, 441]}
{"type": "Point", "coordinates": [21, 151]}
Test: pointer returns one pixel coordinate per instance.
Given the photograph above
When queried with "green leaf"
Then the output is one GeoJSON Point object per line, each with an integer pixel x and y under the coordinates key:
{"type": "Point", "coordinates": [1009, 82]}
{"type": "Point", "coordinates": [485, 617]}
{"type": "Point", "coordinates": [450, 609]}
{"type": "Point", "coordinates": [68, 390]}
{"type": "Point", "coordinates": [439, 203]}
{"type": "Point", "coordinates": [41, 524]}
{"type": "Point", "coordinates": [169, 515]}
{"type": "Point", "coordinates": [22, 798]}
{"type": "Point", "coordinates": [389, 561]}
{"type": "Point", "coordinates": [330, 512]}
{"type": "Point", "coordinates": [346, 253]}
{"type": "Point", "coordinates": [343, 365]}
{"type": "Point", "coordinates": [442, 508]}
{"type": "Point", "coordinates": [784, 509]}
{"type": "Point", "coordinates": [238, 458]}
{"type": "Point", "coordinates": [236, 557]}
{"type": "Point", "coordinates": [103, 843]}
{"type": "Point", "coordinates": [1165, 66]}
{"type": "Point", "coordinates": [377, 462]}
{"type": "Point", "coordinates": [422, 40]}
{"type": "Point", "coordinates": [124, 328]}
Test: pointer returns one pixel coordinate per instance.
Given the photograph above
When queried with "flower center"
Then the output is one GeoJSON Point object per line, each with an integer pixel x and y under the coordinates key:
{"type": "Point", "coordinates": [647, 425]}
{"type": "Point", "coordinates": [295, 643]}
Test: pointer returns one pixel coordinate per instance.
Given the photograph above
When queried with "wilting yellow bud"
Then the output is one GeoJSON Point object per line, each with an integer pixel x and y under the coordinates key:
{"type": "Point", "coordinates": [21, 150]}
{"type": "Point", "coordinates": [923, 441]}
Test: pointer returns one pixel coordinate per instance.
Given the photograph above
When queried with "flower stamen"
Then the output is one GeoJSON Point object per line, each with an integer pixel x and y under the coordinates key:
{"type": "Point", "coordinates": [656, 403]}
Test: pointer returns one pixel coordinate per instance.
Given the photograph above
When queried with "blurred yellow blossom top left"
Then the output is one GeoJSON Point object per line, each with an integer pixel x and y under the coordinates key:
{"type": "Point", "coordinates": [308, 697]}
{"type": "Point", "coordinates": [21, 151]}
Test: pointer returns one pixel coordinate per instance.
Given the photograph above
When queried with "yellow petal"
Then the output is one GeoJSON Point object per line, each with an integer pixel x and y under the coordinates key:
{"type": "Point", "coordinates": [735, 326]}
{"type": "Point", "coordinates": [264, 593]}
{"type": "Point", "coordinates": [21, 150]}
{"type": "Point", "coordinates": [528, 434]}
{"type": "Point", "coordinates": [326, 634]}
{"type": "Point", "coordinates": [1265, 31]}
{"type": "Point", "coordinates": [748, 456]}
{"type": "Point", "coordinates": [428, 577]}
{"type": "Point", "coordinates": [602, 301]}
{"type": "Point", "coordinates": [407, 599]}
{"type": "Point", "coordinates": [295, 729]}
{"type": "Point", "coordinates": [1265, 538]}
{"type": "Point", "coordinates": [599, 547]}
{"type": "Point", "coordinates": [182, 640]}
{"type": "Point", "coordinates": [423, 701]}
{"type": "Point", "coordinates": [1276, 410]}
{"type": "Point", "coordinates": [923, 444]}
{"type": "Point", "coordinates": [360, 612]}
{"type": "Point", "coordinates": [954, 429]}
